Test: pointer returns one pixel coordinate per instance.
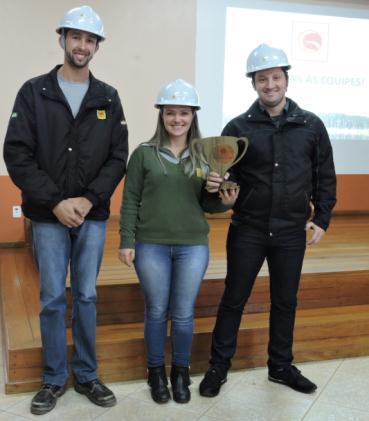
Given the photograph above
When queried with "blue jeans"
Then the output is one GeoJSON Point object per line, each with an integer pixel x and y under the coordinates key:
{"type": "Point", "coordinates": [170, 277]}
{"type": "Point", "coordinates": [55, 248]}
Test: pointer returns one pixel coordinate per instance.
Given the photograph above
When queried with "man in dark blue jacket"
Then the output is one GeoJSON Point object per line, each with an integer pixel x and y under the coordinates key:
{"type": "Point", "coordinates": [287, 186]}
{"type": "Point", "coordinates": [66, 149]}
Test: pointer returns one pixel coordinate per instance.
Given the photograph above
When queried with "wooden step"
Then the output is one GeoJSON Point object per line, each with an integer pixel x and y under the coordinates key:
{"type": "Point", "coordinates": [332, 319]}
{"type": "Point", "coordinates": [345, 247]}
{"type": "Point", "coordinates": [124, 303]}
{"type": "Point", "coordinates": [327, 333]}
{"type": "Point", "coordinates": [335, 272]}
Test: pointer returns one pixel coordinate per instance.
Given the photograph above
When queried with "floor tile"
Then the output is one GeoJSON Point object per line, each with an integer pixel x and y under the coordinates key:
{"type": "Point", "coordinates": [5, 416]}
{"type": "Point", "coordinates": [207, 418]}
{"type": "Point", "coordinates": [70, 406]}
{"type": "Point", "coordinates": [330, 412]}
{"type": "Point", "coordinates": [123, 389]}
{"type": "Point", "coordinates": [260, 403]}
{"type": "Point", "coordinates": [129, 409]}
{"type": "Point", "coordinates": [7, 401]}
{"type": "Point", "coordinates": [248, 395]}
{"type": "Point", "coordinates": [349, 385]}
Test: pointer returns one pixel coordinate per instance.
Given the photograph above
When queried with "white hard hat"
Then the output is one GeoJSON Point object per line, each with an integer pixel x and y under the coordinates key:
{"type": "Point", "coordinates": [178, 92]}
{"type": "Point", "coordinates": [83, 18]}
{"type": "Point", "coordinates": [266, 57]}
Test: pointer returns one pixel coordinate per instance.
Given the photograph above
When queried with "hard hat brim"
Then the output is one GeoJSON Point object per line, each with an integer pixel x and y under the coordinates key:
{"type": "Point", "coordinates": [249, 74]}
{"type": "Point", "coordinates": [59, 31]}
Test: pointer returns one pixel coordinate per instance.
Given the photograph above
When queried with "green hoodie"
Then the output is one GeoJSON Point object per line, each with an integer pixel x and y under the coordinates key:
{"type": "Point", "coordinates": [161, 204]}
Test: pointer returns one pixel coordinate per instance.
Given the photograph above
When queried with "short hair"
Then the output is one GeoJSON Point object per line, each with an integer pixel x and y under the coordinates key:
{"type": "Point", "coordinates": [285, 71]}
{"type": "Point", "coordinates": [64, 32]}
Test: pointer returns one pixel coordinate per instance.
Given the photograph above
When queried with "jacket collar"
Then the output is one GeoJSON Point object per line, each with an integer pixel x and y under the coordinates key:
{"type": "Point", "coordinates": [294, 114]}
{"type": "Point", "coordinates": [96, 95]}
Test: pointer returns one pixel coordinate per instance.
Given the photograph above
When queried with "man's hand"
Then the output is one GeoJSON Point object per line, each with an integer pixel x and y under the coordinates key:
{"type": "Point", "coordinates": [81, 205]}
{"type": "Point", "coordinates": [229, 197]}
{"type": "Point", "coordinates": [67, 215]}
{"type": "Point", "coordinates": [318, 233]}
{"type": "Point", "coordinates": [126, 256]}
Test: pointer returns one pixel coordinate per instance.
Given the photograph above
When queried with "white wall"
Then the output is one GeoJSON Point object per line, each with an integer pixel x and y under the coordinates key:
{"type": "Point", "coordinates": [149, 42]}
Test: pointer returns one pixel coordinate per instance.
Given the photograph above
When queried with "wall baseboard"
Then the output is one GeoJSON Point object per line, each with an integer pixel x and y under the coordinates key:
{"type": "Point", "coordinates": [15, 244]}
{"type": "Point", "coordinates": [350, 213]}
{"type": "Point", "coordinates": [224, 215]}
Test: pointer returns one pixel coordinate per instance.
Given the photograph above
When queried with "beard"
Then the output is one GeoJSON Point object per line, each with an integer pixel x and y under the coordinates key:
{"type": "Point", "coordinates": [77, 64]}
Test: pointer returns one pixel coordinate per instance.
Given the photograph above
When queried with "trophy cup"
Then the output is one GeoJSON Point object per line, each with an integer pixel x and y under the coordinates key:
{"type": "Point", "coordinates": [220, 153]}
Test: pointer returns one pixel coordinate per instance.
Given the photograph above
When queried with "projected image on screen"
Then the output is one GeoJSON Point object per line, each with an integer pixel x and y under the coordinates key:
{"type": "Point", "coordinates": [330, 65]}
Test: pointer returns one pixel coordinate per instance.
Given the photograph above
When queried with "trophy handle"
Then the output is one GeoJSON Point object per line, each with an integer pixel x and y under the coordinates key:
{"type": "Point", "coordinates": [246, 143]}
{"type": "Point", "coordinates": [198, 152]}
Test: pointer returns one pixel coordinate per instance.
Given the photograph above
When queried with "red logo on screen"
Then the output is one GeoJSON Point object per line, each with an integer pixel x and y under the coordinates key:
{"type": "Point", "coordinates": [311, 40]}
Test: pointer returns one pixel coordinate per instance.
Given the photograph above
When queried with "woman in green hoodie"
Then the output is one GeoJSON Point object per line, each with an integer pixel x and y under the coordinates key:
{"type": "Point", "coordinates": [164, 232]}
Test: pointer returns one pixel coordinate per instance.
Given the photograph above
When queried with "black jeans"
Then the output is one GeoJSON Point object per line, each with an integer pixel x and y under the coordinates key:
{"type": "Point", "coordinates": [247, 249]}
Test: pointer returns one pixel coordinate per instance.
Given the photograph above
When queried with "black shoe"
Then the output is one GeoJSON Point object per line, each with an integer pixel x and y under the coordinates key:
{"type": "Point", "coordinates": [292, 377]}
{"type": "Point", "coordinates": [45, 399]}
{"type": "Point", "coordinates": [158, 382]}
{"type": "Point", "coordinates": [97, 392]}
{"type": "Point", "coordinates": [214, 378]}
{"type": "Point", "coordinates": [180, 380]}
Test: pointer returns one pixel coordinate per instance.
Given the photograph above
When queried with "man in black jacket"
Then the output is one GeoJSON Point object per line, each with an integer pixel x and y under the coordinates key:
{"type": "Point", "coordinates": [288, 171]}
{"type": "Point", "coordinates": [66, 149]}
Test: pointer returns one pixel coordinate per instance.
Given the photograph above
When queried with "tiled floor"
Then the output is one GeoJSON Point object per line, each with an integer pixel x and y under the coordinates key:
{"type": "Point", "coordinates": [343, 395]}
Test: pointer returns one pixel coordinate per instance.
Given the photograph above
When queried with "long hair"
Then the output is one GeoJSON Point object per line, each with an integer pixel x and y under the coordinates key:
{"type": "Point", "coordinates": [161, 138]}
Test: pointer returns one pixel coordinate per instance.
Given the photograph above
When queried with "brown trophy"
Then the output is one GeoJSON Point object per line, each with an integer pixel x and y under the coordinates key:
{"type": "Point", "coordinates": [220, 153]}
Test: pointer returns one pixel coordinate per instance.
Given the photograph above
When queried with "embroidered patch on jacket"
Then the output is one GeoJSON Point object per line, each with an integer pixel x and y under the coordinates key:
{"type": "Point", "coordinates": [14, 115]}
{"type": "Point", "coordinates": [101, 114]}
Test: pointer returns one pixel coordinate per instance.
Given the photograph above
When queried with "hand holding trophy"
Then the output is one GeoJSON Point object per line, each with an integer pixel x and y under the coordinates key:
{"type": "Point", "coordinates": [220, 153]}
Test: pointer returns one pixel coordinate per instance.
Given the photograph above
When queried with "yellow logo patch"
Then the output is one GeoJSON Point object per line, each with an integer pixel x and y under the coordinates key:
{"type": "Point", "coordinates": [101, 114]}
{"type": "Point", "coordinates": [200, 173]}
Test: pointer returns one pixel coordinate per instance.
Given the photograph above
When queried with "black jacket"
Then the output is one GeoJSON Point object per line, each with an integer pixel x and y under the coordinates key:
{"type": "Point", "coordinates": [286, 167]}
{"type": "Point", "coordinates": [51, 156]}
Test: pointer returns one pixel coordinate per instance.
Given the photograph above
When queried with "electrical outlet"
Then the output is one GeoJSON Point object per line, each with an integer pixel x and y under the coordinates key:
{"type": "Point", "coordinates": [17, 211]}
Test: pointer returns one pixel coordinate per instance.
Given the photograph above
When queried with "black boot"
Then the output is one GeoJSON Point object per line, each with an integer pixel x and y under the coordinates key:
{"type": "Point", "coordinates": [180, 379]}
{"type": "Point", "coordinates": [157, 380]}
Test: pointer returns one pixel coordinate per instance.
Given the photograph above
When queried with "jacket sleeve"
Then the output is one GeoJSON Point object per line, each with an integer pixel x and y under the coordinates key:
{"type": "Point", "coordinates": [211, 203]}
{"type": "Point", "coordinates": [114, 168]}
{"type": "Point", "coordinates": [131, 199]}
{"type": "Point", "coordinates": [324, 179]}
{"type": "Point", "coordinates": [20, 150]}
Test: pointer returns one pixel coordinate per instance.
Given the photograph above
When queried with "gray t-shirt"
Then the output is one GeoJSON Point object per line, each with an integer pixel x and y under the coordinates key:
{"type": "Point", "coordinates": [74, 92]}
